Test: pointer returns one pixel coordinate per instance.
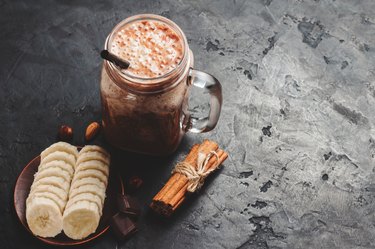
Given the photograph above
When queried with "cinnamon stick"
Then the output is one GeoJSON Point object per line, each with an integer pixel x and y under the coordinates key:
{"type": "Point", "coordinates": [205, 148]}
{"type": "Point", "coordinates": [175, 177]}
{"type": "Point", "coordinates": [211, 164]}
{"type": "Point", "coordinates": [174, 192]}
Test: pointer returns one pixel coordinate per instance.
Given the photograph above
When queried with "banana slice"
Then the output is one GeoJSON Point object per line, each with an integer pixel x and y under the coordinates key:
{"type": "Point", "coordinates": [93, 155]}
{"type": "Point", "coordinates": [81, 219]}
{"type": "Point", "coordinates": [87, 180]}
{"type": "Point", "coordinates": [56, 181]}
{"type": "Point", "coordinates": [93, 164]}
{"type": "Point", "coordinates": [60, 146]}
{"type": "Point", "coordinates": [86, 197]}
{"type": "Point", "coordinates": [44, 217]}
{"type": "Point", "coordinates": [90, 148]}
{"type": "Point", "coordinates": [48, 195]}
{"type": "Point", "coordinates": [89, 188]}
{"type": "Point", "coordinates": [63, 195]}
{"type": "Point", "coordinates": [91, 173]}
{"type": "Point", "coordinates": [68, 191]}
{"type": "Point", "coordinates": [52, 171]}
{"type": "Point", "coordinates": [59, 156]}
{"type": "Point", "coordinates": [60, 164]}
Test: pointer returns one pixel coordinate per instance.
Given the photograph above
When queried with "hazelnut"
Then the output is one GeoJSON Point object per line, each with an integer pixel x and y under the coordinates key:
{"type": "Point", "coordinates": [65, 133]}
{"type": "Point", "coordinates": [135, 183]}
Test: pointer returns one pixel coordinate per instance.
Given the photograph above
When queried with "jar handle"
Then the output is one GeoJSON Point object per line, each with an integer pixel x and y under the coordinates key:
{"type": "Point", "coordinates": [210, 84]}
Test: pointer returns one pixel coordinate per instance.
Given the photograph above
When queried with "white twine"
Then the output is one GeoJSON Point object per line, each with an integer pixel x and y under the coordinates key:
{"type": "Point", "coordinates": [196, 176]}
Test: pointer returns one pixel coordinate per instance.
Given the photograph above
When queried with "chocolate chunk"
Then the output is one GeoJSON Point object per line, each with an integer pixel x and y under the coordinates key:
{"type": "Point", "coordinates": [128, 205]}
{"type": "Point", "coordinates": [122, 226]}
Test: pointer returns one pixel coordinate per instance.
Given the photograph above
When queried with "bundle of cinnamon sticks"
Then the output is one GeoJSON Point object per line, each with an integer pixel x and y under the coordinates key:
{"type": "Point", "coordinates": [176, 190]}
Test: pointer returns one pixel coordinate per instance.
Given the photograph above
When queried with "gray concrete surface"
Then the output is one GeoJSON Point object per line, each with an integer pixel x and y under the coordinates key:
{"type": "Point", "coordinates": [298, 116]}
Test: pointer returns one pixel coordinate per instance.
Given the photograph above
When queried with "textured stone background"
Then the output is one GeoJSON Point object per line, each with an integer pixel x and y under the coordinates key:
{"type": "Point", "coordinates": [298, 117]}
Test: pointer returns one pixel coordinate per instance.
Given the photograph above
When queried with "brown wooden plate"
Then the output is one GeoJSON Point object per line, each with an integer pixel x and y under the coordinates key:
{"type": "Point", "coordinates": [22, 189]}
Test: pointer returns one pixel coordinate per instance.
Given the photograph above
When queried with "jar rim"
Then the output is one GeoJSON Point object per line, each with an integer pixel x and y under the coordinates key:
{"type": "Point", "coordinates": [146, 80]}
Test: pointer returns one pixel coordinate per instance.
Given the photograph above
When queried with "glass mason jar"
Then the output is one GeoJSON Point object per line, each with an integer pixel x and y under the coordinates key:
{"type": "Point", "coordinates": [150, 115]}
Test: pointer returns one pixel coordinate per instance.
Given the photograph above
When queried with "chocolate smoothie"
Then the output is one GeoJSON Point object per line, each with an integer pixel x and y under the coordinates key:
{"type": "Point", "coordinates": [152, 48]}
{"type": "Point", "coordinates": [144, 106]}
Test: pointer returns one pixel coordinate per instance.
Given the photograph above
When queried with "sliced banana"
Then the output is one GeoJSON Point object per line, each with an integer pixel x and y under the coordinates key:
{"type": "Point", "coordinates": [81, 219]}
{"type": "Point", "coordinates": [91, 173]}
{"type": "Point", "coordinates": [68, 191]}
{"type": "Point", "coordinates": [93, 164]}
{"type": "Point", "coordinates": [56, 181]}
{"type": "Point", "coordinates": [85, 181]}
{"type": "Point", "coordinates": [90, 148]}
{"type": "Point", "coordinates": [60, 146]}
{"type": "Point", "coordinates": [60, 164]}
{"type": "Point", "coordinates": [86, 197]}
{"type": "Point", "coordinates": [52, 171]}
{"type": "Point", "coordinates": [63, 195]}
{"type": "Point", "coordinates": [48, 195]}
{"type": "Point", "coordinates": [44, 217]}
{"type": "Point", "coordinates": [59, 156]}
{"type": "Point", "coordinates": [89, 188]}
{"type": "Point", "coordinates": [93, 155]}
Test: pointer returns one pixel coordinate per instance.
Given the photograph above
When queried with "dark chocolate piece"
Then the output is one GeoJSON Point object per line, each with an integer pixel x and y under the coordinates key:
{"type": "Point", "coordinates": [128, 205]}
{"type": "Point", "coordinates": [123, 227]}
